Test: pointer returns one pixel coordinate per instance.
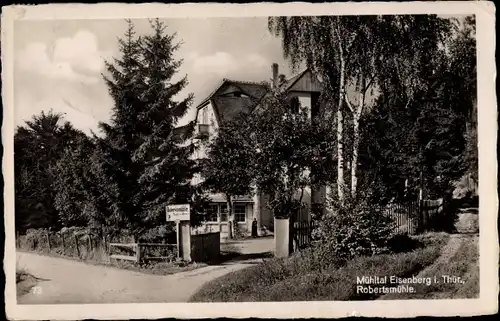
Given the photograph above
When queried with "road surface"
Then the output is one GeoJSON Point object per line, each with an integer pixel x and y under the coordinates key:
{"type": "Point", "coordinates": [67, 281]}
{"type": "Point", "coordinates": [467, 232]}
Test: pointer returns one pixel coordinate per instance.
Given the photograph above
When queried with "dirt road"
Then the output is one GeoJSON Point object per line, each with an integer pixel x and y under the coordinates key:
{"type": "Point", "coordinates": [67, 281]}
{"type": "Point", "coordinates": [465, 236]}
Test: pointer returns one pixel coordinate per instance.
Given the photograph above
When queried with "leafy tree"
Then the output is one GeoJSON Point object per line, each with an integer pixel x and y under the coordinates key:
{"type": "Point", "coordinates": [144, 163]}
{"type": "Point", "coordinates": [73, 183]}
{"type": "Point", "coordinates": [414, 134]}
{"type": "Point", "coordinates": [38, 145]}
{"type": "Point", "coordinates": [341, 50]}
{"type": "Point", "coordinates": [463, 89]}
{"type": "Point", "coordinates": [356, 57]}
{"type": "Point", "coordinates": [228, 167]}
{"type": "Point", "coordinates": [286, 145]}
{"type": "Point", "coordinates": [82, 197]}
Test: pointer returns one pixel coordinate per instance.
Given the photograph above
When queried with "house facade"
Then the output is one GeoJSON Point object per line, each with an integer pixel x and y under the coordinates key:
{"type": "Point", "coordinates": [229, 99]}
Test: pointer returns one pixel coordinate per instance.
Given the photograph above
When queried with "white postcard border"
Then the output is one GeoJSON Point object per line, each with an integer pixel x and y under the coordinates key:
{"type": "Point", "coordinates": [487, 133]}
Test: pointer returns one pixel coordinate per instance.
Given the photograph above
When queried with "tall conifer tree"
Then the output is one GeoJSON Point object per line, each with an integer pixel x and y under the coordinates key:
{"type": "Point", "coordinates": [143, 159]}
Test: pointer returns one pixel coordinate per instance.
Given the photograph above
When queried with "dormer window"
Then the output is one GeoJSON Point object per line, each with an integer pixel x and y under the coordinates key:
{"type": "Point", "coordinates": [237, 94]}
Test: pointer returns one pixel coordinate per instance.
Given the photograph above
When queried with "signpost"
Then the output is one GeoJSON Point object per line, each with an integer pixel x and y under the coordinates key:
{"type": "Point", "coordinates": [180, 214]}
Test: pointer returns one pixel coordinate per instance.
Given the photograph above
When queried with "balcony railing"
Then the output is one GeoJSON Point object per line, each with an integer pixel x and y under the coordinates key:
{"type": "Point", "coordinates": [203, 130]}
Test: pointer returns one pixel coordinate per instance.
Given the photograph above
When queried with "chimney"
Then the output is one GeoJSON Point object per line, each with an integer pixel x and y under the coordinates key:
{"type": "Point", "coordinates": [275, 69]}
{"type": "Point", "coordinates": [282, 79]}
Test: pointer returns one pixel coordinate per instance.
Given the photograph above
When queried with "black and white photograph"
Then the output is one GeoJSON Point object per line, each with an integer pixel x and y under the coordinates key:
{"type": "Point", "coordinates": [188, 154]}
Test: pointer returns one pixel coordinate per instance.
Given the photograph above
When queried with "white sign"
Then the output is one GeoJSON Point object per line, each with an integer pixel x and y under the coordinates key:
{"type": "Point", "coordinates": [178, 212]}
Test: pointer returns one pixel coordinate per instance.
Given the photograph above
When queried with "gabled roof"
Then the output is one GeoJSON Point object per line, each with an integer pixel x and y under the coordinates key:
{"type": "Point", "coordinates": [230, 107]}
{"type": "Point", "coordinates": [227, 107]}
{"type": "Point", "coordinates": [252, 89]}
{"type": "Point", "coordinates": [290, 82]}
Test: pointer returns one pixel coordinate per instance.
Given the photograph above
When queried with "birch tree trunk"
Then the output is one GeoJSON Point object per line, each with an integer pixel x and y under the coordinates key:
{"type": "Point", "coordinates": [355, 146]}
{"type": "Point", "coordinates": [340, 155]}
{"type": "Point", "coordinates": [354, 162]}
{"type": "Point", "coordinates": [340, 129]}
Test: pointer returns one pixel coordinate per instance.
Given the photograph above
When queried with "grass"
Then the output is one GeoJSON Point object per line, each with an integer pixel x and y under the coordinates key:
{"type": "Point", "coordinates": [307, 277]}
{"type": "Point", "coordinates": [463, 263]}
{"type": "Point", "coordinates": [24, 282]}
{"type": "Point", "coordinates": [158, 268]}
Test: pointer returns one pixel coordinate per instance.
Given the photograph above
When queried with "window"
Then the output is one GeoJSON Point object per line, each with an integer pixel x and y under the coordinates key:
{"type": "Point", "coordinates": [212, 213]}
{"type": "Point", "coordinates": [223, 213]}
{"type": "Point", "coordinates": [204, 116]}
{"type": "Point", "coordinates": [240, 212]}
{"type": "Point", "coordinates": [295, 105]}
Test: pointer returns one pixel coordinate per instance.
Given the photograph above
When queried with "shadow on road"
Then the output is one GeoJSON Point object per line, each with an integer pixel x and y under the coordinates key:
{"type": "Point", "coordinates": [233, 257]}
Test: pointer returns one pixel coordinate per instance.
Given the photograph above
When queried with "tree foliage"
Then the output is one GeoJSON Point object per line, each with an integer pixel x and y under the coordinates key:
{"type": "Point", "coordinates": [141, 159]}
{"type": "Point", "coordinates": [124, 178]}
{"type": "Point", "coordinates": [227, 168]}
{"type": "Point", "coordinates": [417, 66]}
{"type": "Point", "coordinates": [286, 145]}
{"type": "Point", "coordinates": [415, 133]}
{"type": "Point", "coordinates": [38, 145]}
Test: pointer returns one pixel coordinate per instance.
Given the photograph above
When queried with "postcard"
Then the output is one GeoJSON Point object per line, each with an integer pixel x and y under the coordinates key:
{"type": "Point", "coordinates": [264, 160]}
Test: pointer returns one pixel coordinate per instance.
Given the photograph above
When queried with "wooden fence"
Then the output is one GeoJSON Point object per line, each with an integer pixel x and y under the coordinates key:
{"type": "Point", "coordinates": [143, 252]}
{"type": "Point", "coordinates": [82, 246]}
{"type": "Point", "coordinates": [301, 234]}
{"type": "Point", "coordinates": [414, 217]}
{"type": "Point", "coordinates": [204, 247]}
{"type": "Point", "coordinates": [405, 216]}
{"type": "Point", "coordinates": [411, 217]}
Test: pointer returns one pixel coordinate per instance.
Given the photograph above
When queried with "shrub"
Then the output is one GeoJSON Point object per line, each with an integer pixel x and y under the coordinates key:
{"type": "Point", "coordinates": [307, 276]}
{"type": "Point", "coordinates": [158, 234]}
{"type": "Point", "coordinates": [359, 227]}
{"type": "Point", "coordinates": [239, 233]}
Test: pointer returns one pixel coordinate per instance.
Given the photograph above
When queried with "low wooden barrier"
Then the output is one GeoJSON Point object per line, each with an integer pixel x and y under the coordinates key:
{"type": "Point", "coordinates": [139, 251]}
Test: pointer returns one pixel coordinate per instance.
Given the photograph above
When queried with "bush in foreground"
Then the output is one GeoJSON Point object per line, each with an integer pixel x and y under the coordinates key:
{"type": "Point", "coordinates": [356, 228]}
{"type": "Point", "coordinates": [310, 276]}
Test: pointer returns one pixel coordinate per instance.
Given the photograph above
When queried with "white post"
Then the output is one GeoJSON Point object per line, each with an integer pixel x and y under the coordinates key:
{"type": "Point", "coordinates": [256, 212]}
{"type": "Point", "coordinates": [184, 240]}
{"type": "Point", "coordinates": [282, 237]}
{"type": "Point", "coordinates": [179, 240]}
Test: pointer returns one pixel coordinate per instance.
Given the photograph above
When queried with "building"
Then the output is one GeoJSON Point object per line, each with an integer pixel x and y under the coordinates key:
{"type": "Point", "coordinates": [230, 98]}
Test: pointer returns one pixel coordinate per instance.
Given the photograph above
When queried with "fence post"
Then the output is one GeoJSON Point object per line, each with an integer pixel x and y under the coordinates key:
{"type": "Point", "coordinates": [90, 242]}
{"type": "Point", "coordinates": [48, 239]}
{"type": "Point", "coordinates": [105, 244]}
{"type": "Point", "coordinates": [138, 257]}
{"type": "Point", "coordinates": [77, 248]}
{"type": "Point", "coordinates": [63, 243]}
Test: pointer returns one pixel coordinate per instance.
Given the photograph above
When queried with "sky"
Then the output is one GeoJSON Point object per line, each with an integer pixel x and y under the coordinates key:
{"type": "Point", "coordinates": [58, 63]}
